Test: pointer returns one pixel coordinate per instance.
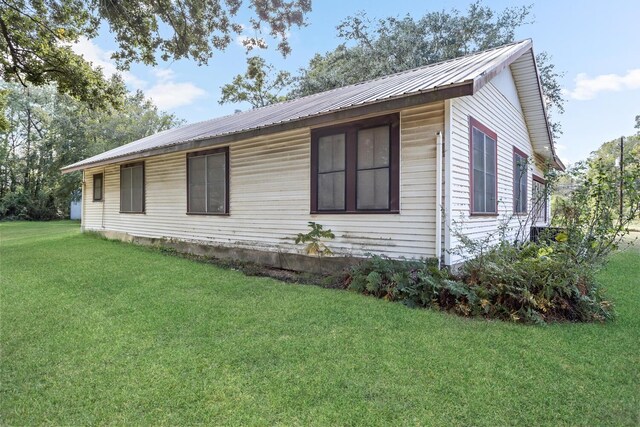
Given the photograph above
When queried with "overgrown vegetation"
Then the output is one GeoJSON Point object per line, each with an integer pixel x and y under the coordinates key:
{"type": "Point", "coordinates": [530, 283]}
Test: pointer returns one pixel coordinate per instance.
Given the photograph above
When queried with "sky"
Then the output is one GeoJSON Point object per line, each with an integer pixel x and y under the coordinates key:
{"type": "Point", "coordinates": [595, 43]}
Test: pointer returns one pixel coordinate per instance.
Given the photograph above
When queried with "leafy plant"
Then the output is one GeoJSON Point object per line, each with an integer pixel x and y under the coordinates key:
{"type": "Point", "coordinates": [313, 240]}
{"type": "Point", "coordinates": [529, 283]}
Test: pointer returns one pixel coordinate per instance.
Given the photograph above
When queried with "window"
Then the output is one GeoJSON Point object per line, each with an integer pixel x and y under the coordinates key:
{"type": "Point", "coordinates": [208, 182]}
{"type": "Point", "coordinates": [98, 185]}
{"type": "Point", "coordinates": [132, 188]}
{"type": "Point", "coordinates": [539, 202]}
{"type": "Point", "coordinates": [520, 178]}
{"type": "Point", "coordinates": [355, 167]}
{"type": "Point", "coordinates": [483, 169]}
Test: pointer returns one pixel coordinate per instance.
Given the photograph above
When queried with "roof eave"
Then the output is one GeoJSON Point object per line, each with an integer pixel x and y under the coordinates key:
{"type": "Point", "coordinates": [398, 103]}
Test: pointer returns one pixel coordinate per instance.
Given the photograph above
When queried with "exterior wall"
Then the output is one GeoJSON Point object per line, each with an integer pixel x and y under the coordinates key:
{"type": "Point", "coordinates": [494, 109]}
{"type": "Point", "coordinates": [270, 197]}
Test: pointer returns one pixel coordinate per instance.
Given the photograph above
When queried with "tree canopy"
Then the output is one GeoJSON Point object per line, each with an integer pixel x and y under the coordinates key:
{"type": "Point", "coordinates": [256, 86]}
{"type": "Point", "coordinates": [47, 130]}
{"type": "Point", "coordinates": [36, 36]}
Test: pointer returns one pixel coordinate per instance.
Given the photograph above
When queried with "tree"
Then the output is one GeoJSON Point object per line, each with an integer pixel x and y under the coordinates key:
{"type": "Point", "coordinates": [4, 123]}
{"type": "Point", "coordinates": [48, 130]}
{"type": "Point", "coordinates": [637, 126]}
{"type": "Point", "coordinates": [255, 86]}
{"type": "Point", "coordinates": [371, 49]}
{"type": "Point", "coordinates": [36, 36]}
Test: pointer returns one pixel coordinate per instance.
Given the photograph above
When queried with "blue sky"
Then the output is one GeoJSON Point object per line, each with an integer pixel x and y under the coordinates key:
{"type": "Point", "coordinates": [594, 42]}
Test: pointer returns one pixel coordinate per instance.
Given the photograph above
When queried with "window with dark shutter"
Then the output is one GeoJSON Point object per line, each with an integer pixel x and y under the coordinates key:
{"type": "Point", "coordinates": [483, 169]}
{"type": "Point", "coordinates": [132, 188]}
{"type": "Point", "coordinates": [208, 182]}
{"type": "Point", "coordinates": [355, 167]}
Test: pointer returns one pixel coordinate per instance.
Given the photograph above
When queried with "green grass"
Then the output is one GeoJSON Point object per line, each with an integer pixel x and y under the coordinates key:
{"type": "Point", "coordinates": [101, 332]}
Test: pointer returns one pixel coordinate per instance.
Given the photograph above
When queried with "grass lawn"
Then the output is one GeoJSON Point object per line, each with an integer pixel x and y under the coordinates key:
{"type": "Point", "coordinates": [101, 332]}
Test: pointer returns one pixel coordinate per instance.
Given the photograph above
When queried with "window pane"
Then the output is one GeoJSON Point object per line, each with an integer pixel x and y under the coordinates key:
{"type": "Point", "coordinates": [478, 150]}
{"type": "Point", "coordinates": [97, 187]}
{"type": "Point", "coordinates": [539, 203]}
{"type": "Point", "coordinates": [484, 172]}
{"type": "Point", "coordinates": [478, 191]}
{"type": "Point", "coordinates": [331, 191]}
{"type": "Point", "coordinates": [490, 193]}
{"type": "Point", "coordinates": [331, 153]}
{"type": "Point", "coordinates": [373, 147]}
{"type": "Point", "coordinates": [490, 150]}
{"type": "Point", "coordinates": [216, 186]}
{"type": "Point", "coordinates": [520, 183]}
{"type": "Point", "coordinates": [137, 189]}
{"type": "Point", "coordinates": [125, 189]}
{"type": "Point", "coordinates": [523, 194]}
{"type": "Point", "coordinates": [197, 185]}
{"type": "Point", "coordinates": [373, 189]}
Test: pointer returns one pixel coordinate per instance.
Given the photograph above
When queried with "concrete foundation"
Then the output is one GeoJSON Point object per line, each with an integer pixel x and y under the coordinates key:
{"type": "Point", "coordinates": [274, 259]}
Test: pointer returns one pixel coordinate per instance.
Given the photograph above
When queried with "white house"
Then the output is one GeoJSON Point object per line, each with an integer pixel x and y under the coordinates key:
{"type": "Point", "coordinates": [386, 164]}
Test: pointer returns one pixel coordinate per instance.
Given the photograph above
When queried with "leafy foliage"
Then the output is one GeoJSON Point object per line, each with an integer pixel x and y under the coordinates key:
{"type": "Point", "coordinates": [604, 201]}
{"type": "Point", "coordinates": [528, 284]}
{"type": "Point", "coordinates": [36, 36]}
{"type": "Point", "coordinates": [535, 282]}
{"type": "Point", "coordinates": [47, 131]}
{"type": "Point", "coordinates": [313, 240]}
{"type": "Point", "coordinates": [255, 86]}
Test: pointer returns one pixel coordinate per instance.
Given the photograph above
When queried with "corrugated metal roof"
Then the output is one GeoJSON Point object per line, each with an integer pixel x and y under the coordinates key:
{"type": "Point", "coordinates": [470, 69]}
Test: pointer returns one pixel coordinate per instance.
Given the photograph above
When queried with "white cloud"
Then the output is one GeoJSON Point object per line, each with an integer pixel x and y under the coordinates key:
{"type": "Point", "coordinates": [169, 94]}
{"type": "Point", "coordinates": [164, 74]}
{"type": "Point", "coordinates": [588, 87]}
{"type": "Point", "coordinates": [165, 92]}
{"type": "Point", "coordinates": [102, 58]}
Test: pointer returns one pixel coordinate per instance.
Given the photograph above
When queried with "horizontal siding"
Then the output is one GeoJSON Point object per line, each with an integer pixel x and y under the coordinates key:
{"type": "Point", "coordinates": [492, 109]}
{"type": "Point", "coordinates": [270, 197]}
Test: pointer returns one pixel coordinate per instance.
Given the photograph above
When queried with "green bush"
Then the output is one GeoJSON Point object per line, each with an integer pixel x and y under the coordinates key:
{"type": "Point", "coordinates": [21, 205]}
{"type": "Point", "coordinates": [535, 282]}
{"type": "Point", "coordinates": [530, 283]}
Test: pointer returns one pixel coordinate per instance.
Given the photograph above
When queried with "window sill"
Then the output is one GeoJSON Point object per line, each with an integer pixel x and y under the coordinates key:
{"type": "Point", "coordinates": [208, 213]}
{"type": "Point", "coordinates": [353, 212]}
{"type": "Point", "coordinates": [135, 213]}
{"type": "Point", "coordinates": [99, 200]}
{"type": "Point", "coordinates": [488, 214]}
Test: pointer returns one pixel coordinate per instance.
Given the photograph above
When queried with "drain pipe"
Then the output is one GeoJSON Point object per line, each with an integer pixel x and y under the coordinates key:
{"type": "Point", "coordinates": [439, 198]}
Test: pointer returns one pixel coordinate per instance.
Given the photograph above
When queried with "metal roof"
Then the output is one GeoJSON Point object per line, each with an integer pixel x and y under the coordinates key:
{"type": "Point", "coordinates": [470, 72]}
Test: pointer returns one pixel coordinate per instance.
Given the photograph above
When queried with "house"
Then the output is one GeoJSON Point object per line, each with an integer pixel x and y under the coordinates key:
{"type": "Point", "coordinates": [388, 165]}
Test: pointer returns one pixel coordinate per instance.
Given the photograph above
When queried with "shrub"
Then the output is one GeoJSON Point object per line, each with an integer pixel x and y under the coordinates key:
{"type": "Point", "coordinates": [531, 283]}
{"type": "Point", "coordinates": [535, 282]}
{"type": "Point", "coordinates": [415, 283]}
